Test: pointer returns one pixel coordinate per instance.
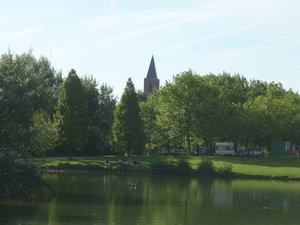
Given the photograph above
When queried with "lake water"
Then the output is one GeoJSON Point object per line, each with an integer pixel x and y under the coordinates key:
{"type": "Point", "coordinates": [110, 200]}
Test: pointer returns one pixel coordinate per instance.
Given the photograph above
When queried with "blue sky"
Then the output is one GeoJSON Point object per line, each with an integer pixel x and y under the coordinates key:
{"type": "Point", "coordinates": [114, 40]}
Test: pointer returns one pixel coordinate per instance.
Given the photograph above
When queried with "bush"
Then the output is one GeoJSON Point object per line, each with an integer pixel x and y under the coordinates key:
{"type": "Point", "coordinates": [171, 165]}
{"type": "Point", "coordinates": [206, 168]}
{"type": "Point", "coordinates": [164, 165]}
{"type": "Point", "coordinates": [183, 166]}
{"type": "Point", "coordinates": [226, 170]}
{"type": "Point", "coordinates": [22, 180]}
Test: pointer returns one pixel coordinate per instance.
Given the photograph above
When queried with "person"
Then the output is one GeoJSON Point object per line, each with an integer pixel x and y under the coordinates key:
{"type": "Point", "coordinates": [106, 162]}
{"type": "Point", "coordinates": [129, 161]}
{"type": "Point", "coordinates": [135, 162]}
{"type": "Point", "coordinates": [120, 162]}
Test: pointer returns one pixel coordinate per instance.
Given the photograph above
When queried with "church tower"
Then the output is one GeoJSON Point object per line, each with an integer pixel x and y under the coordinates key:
{"type": "Point", "coordinates": [151, 81]}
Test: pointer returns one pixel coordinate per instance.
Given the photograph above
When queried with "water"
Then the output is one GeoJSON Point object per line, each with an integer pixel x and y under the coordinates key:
{"type": "Point", "coordinates": [110, 200]}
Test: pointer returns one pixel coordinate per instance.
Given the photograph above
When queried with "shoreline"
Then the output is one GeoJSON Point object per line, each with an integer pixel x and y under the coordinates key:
{"type": "Point", "coordinates": [135, 172]}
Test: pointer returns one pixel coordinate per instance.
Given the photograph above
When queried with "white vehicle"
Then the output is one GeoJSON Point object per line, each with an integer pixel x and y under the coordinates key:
{"type": "Point", "coordinates": [224, 148]}
{"type": "Point", "coordinates": [255, 152]}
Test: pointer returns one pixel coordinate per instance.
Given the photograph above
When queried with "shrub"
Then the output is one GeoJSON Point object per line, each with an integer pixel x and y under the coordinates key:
{"type": "Point", "coordinates": [171, 165]}
{"type": "Point", "coordinates": [183, 166]}
{"type": "Point", "coordinates": [206, 168]}
{"type": "Point", "coordinates": [226, 170]}
{"type": "Point", "coordinates": [163, 165]}
{"type": "Point", "coordinates": [22, 180]}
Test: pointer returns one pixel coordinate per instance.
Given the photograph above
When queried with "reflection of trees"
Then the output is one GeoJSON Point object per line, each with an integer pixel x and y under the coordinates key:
{"type": "Point", "coordinates": [223, 193]}
{"type": "Point", "coordinates": [107, 199]}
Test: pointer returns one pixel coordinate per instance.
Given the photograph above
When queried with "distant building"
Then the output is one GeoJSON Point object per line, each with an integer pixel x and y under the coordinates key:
{"type": "Point", "coordinates": [151, 81]}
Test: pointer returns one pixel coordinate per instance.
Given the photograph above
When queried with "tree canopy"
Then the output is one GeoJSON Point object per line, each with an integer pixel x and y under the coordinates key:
{"type": "Point", "coordinates": [71, 114]}
{"type": "Point", "coordinates": [27, 85]}
{"type": "Point", "coordinates": [128, 129]}
{"type": "Point", "coordinates": [193, 110]}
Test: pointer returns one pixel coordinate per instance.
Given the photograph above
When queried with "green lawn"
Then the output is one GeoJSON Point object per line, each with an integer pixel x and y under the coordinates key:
{"type": "Point", "coordinates": [269, 167]}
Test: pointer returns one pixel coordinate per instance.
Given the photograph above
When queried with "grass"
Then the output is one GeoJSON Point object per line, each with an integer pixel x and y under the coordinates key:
{"type": "Point", "coordinates": [284, 167]}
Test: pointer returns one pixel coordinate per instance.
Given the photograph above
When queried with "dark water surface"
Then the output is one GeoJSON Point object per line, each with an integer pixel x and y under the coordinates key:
{"type": "Point", "coordinates": [109, 199]}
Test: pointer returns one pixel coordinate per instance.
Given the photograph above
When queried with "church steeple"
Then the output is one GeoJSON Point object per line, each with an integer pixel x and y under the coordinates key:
{"type": "Point", "coordinates": [152, 70]}
{"type": "Point", "coordinates": [151, 81]}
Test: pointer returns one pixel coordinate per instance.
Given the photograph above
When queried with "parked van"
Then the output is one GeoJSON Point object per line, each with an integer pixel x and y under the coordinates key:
{"type": "Point", "coordinates": [224, 148]}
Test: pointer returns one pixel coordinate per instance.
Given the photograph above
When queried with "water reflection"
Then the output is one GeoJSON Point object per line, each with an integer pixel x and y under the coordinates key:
{"type": "Point", "coordinates": [109, 199]}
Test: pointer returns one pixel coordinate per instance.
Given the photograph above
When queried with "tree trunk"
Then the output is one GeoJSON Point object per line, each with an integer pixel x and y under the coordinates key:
{"type": "Point", "coordinates": [70, 154]}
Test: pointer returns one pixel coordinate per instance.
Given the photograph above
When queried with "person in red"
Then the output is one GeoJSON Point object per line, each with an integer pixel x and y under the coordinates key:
{"type": "Point", "coordinates": [129, 161]}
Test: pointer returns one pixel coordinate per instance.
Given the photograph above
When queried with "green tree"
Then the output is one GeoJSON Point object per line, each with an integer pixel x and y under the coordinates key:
{"type": "Point", "coordinates": [26, 86]}
{"type": "Point", "coordinates": [142, 96]}
{"type": "Point", "coordinates": [148, 115]}
{"type": "Point", "coordinates": [167, 133]}
{"type": "Point", "coordinates": [183, 100]}
{"type": "Point", "coordinates": [92, 96]}
{"type": "Point", "coordinates": [128, 130]}
{"type": "Point", "coordinates": [233, 94]}
{"type": "Point", "coordinates": [45, 131]}
{"type": "Point", "coordinates": [71, 114]}
{"type": "Point", "coordinates": [105, 114]}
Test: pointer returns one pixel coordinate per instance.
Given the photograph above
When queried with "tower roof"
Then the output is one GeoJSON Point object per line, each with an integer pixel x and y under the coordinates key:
{"type": "Point", "coordinates": [152, 70]}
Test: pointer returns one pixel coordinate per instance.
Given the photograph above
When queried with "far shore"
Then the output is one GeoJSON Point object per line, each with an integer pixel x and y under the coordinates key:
{"type": "Point", "coordinates": [284, 168]}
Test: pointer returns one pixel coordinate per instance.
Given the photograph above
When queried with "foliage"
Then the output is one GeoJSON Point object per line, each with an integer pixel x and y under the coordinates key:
{"type": "Point", "coordinates": [71, 114]}
{"type": "Point", "coordinates": [206, 168]}
{"type": "Point", "coordinates": [148, 115]}
{"type": "Point", "coordinates": [128, 131]}
{"type": "Point", "coordinates": [191, 110]}
{"type": "Point", "coordinates": [163, 165]}
{"type": "Point", "coordinates": [101, 104]}
{"type": "Point", "coordinates": [105, 114]}
{"type": "Point", "coordinates": [183, 166]}
{"type": "Point", "coordinates": [225, 171]}
{"type": "Point", "coordinates": [26, 86]}
{"type": "Point", "coordinates": [92, 101]}
{"type": "Point", "coordinates": [20, 180]}
{"type": "Point", "coordinates": [45, 137]}
{"type": "Point", "coordinates": [171, 165]}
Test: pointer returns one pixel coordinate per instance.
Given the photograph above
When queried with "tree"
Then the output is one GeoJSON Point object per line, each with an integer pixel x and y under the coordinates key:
{"type": "Point", "coordinates": [45, 137]}
{"type": "Point", "coordinates": [148, 115]}
{"type": "Point", "coordinates": [92, 96]}
{"type": "Point", "coordinates": [167, 133]}
{"type": "Point", "coordinates": [26, 86]}
{"type": "Point", "coordinates": [128, 130]}
{"type": "Point", "coordinates": [71, 114]}
{"type": "Point", "coordinates": [105, 114]}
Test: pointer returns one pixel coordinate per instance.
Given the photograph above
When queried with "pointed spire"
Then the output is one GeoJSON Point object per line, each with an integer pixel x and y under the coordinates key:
{"type": "Point", "coordinates": [152, 70]}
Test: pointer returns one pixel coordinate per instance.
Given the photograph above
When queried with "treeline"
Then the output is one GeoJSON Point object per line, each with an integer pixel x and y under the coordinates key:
{"type": "Point", "coordinates": [193, 110]}
{"type": "Point", "coordinates": [42, 111]}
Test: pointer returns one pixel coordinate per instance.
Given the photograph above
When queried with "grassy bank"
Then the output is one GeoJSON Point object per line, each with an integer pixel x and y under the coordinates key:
{"type": "Point", "coordinates": [282, 168]}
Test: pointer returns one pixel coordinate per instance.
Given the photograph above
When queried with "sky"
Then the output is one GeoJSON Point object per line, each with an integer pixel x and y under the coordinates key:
{"type": "Point", "coordinates": [113, 40]}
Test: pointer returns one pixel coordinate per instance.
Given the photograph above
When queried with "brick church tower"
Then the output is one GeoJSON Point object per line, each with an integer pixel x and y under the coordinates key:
{"type": "Point", "coordinates": [151, 81]}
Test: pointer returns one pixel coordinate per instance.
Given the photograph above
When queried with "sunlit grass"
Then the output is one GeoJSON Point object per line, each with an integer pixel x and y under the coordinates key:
{"type": "Point", "coordinates": [269, 167]}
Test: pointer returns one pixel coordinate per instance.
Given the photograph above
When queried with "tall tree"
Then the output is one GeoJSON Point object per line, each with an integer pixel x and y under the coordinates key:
{"type": "Point", "coordinates": [92, 96]}
{"type": "Point", "coordinates": [71, 114]}
{"type": "Point", "coordinates": [101, 104]}
{"type": "Point", "coordinates": [26, 86]}
{"type": "Point", "coordinates": [105, 114]}
{"type": "Point", "coordinates": [128, 130]}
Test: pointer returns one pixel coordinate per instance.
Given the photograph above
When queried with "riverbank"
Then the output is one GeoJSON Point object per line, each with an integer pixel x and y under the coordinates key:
{"type": "Point", "coordinates": [286, 168]}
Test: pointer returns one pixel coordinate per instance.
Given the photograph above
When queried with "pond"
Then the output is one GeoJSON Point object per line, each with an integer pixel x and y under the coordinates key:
{"type": "Point", "coordinates": [146, 199]}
